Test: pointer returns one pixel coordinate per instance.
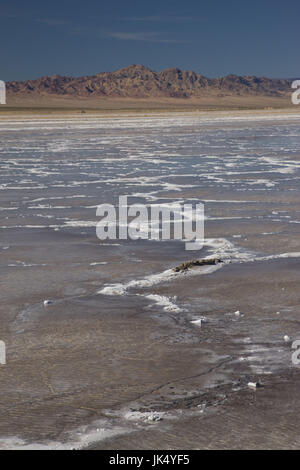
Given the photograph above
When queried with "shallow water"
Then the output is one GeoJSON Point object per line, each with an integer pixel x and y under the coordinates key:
{"type": "Point", "coordinates": [54, 173]}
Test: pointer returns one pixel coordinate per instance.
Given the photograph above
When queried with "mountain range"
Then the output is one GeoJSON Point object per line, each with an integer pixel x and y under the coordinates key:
{"type": "Point", "coordinates": [138, 81]}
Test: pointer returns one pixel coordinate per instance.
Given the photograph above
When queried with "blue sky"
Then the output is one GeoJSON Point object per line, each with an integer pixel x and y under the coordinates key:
{"type": "Point", "coordinates": [84, 37]}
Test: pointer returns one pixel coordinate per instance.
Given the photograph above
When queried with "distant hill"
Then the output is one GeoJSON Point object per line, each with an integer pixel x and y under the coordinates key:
{"type": "Point", "coordinates": [137, 81]}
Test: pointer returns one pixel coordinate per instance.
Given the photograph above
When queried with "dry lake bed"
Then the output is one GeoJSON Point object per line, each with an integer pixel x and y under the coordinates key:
{"type": "Point", "coordinates": [119, 358]}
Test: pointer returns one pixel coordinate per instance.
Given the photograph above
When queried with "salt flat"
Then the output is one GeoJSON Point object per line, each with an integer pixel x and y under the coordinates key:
{"type": "Point", "coordinates": [118, 341]}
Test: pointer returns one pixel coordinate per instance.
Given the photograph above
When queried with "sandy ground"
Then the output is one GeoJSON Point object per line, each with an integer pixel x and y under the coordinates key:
{"type": "Point", "coordinates": [44, 105]}
{"type": "Point", "coordinates": [77, 364]}
{"type": "Point", "coordinates": [265, 419]}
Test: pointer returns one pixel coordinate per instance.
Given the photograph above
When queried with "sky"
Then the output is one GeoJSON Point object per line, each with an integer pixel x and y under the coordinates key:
{"type": "Point", "coordinates": [214, 38]}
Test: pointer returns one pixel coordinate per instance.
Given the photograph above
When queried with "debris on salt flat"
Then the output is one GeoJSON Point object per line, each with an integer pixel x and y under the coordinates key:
{"type": "Point", "coordinates": [154, 417]}
{"type": "Point", "coordinates": [197, 322]}
{"type": "Point", "coordinates": [253, 385]}
{"type": "Point", "coordinates": [47, 302]}
{"type": "Point", "coordinates": [201, 407]}
{"type": "Point", "coordinates": [286, 338]}
{"type": "Point", "coordinates": [146, 416]}
{"type": "Point", "coordinates": [237, 314]}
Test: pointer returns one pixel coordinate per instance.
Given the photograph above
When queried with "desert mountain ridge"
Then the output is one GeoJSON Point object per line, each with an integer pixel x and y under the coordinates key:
{"type": "Point", "coordinates": [138, 81]}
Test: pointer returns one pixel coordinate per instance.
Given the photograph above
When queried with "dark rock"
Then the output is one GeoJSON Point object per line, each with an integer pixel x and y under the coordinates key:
{"type": "Point", "coordinates": [200, 262]}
